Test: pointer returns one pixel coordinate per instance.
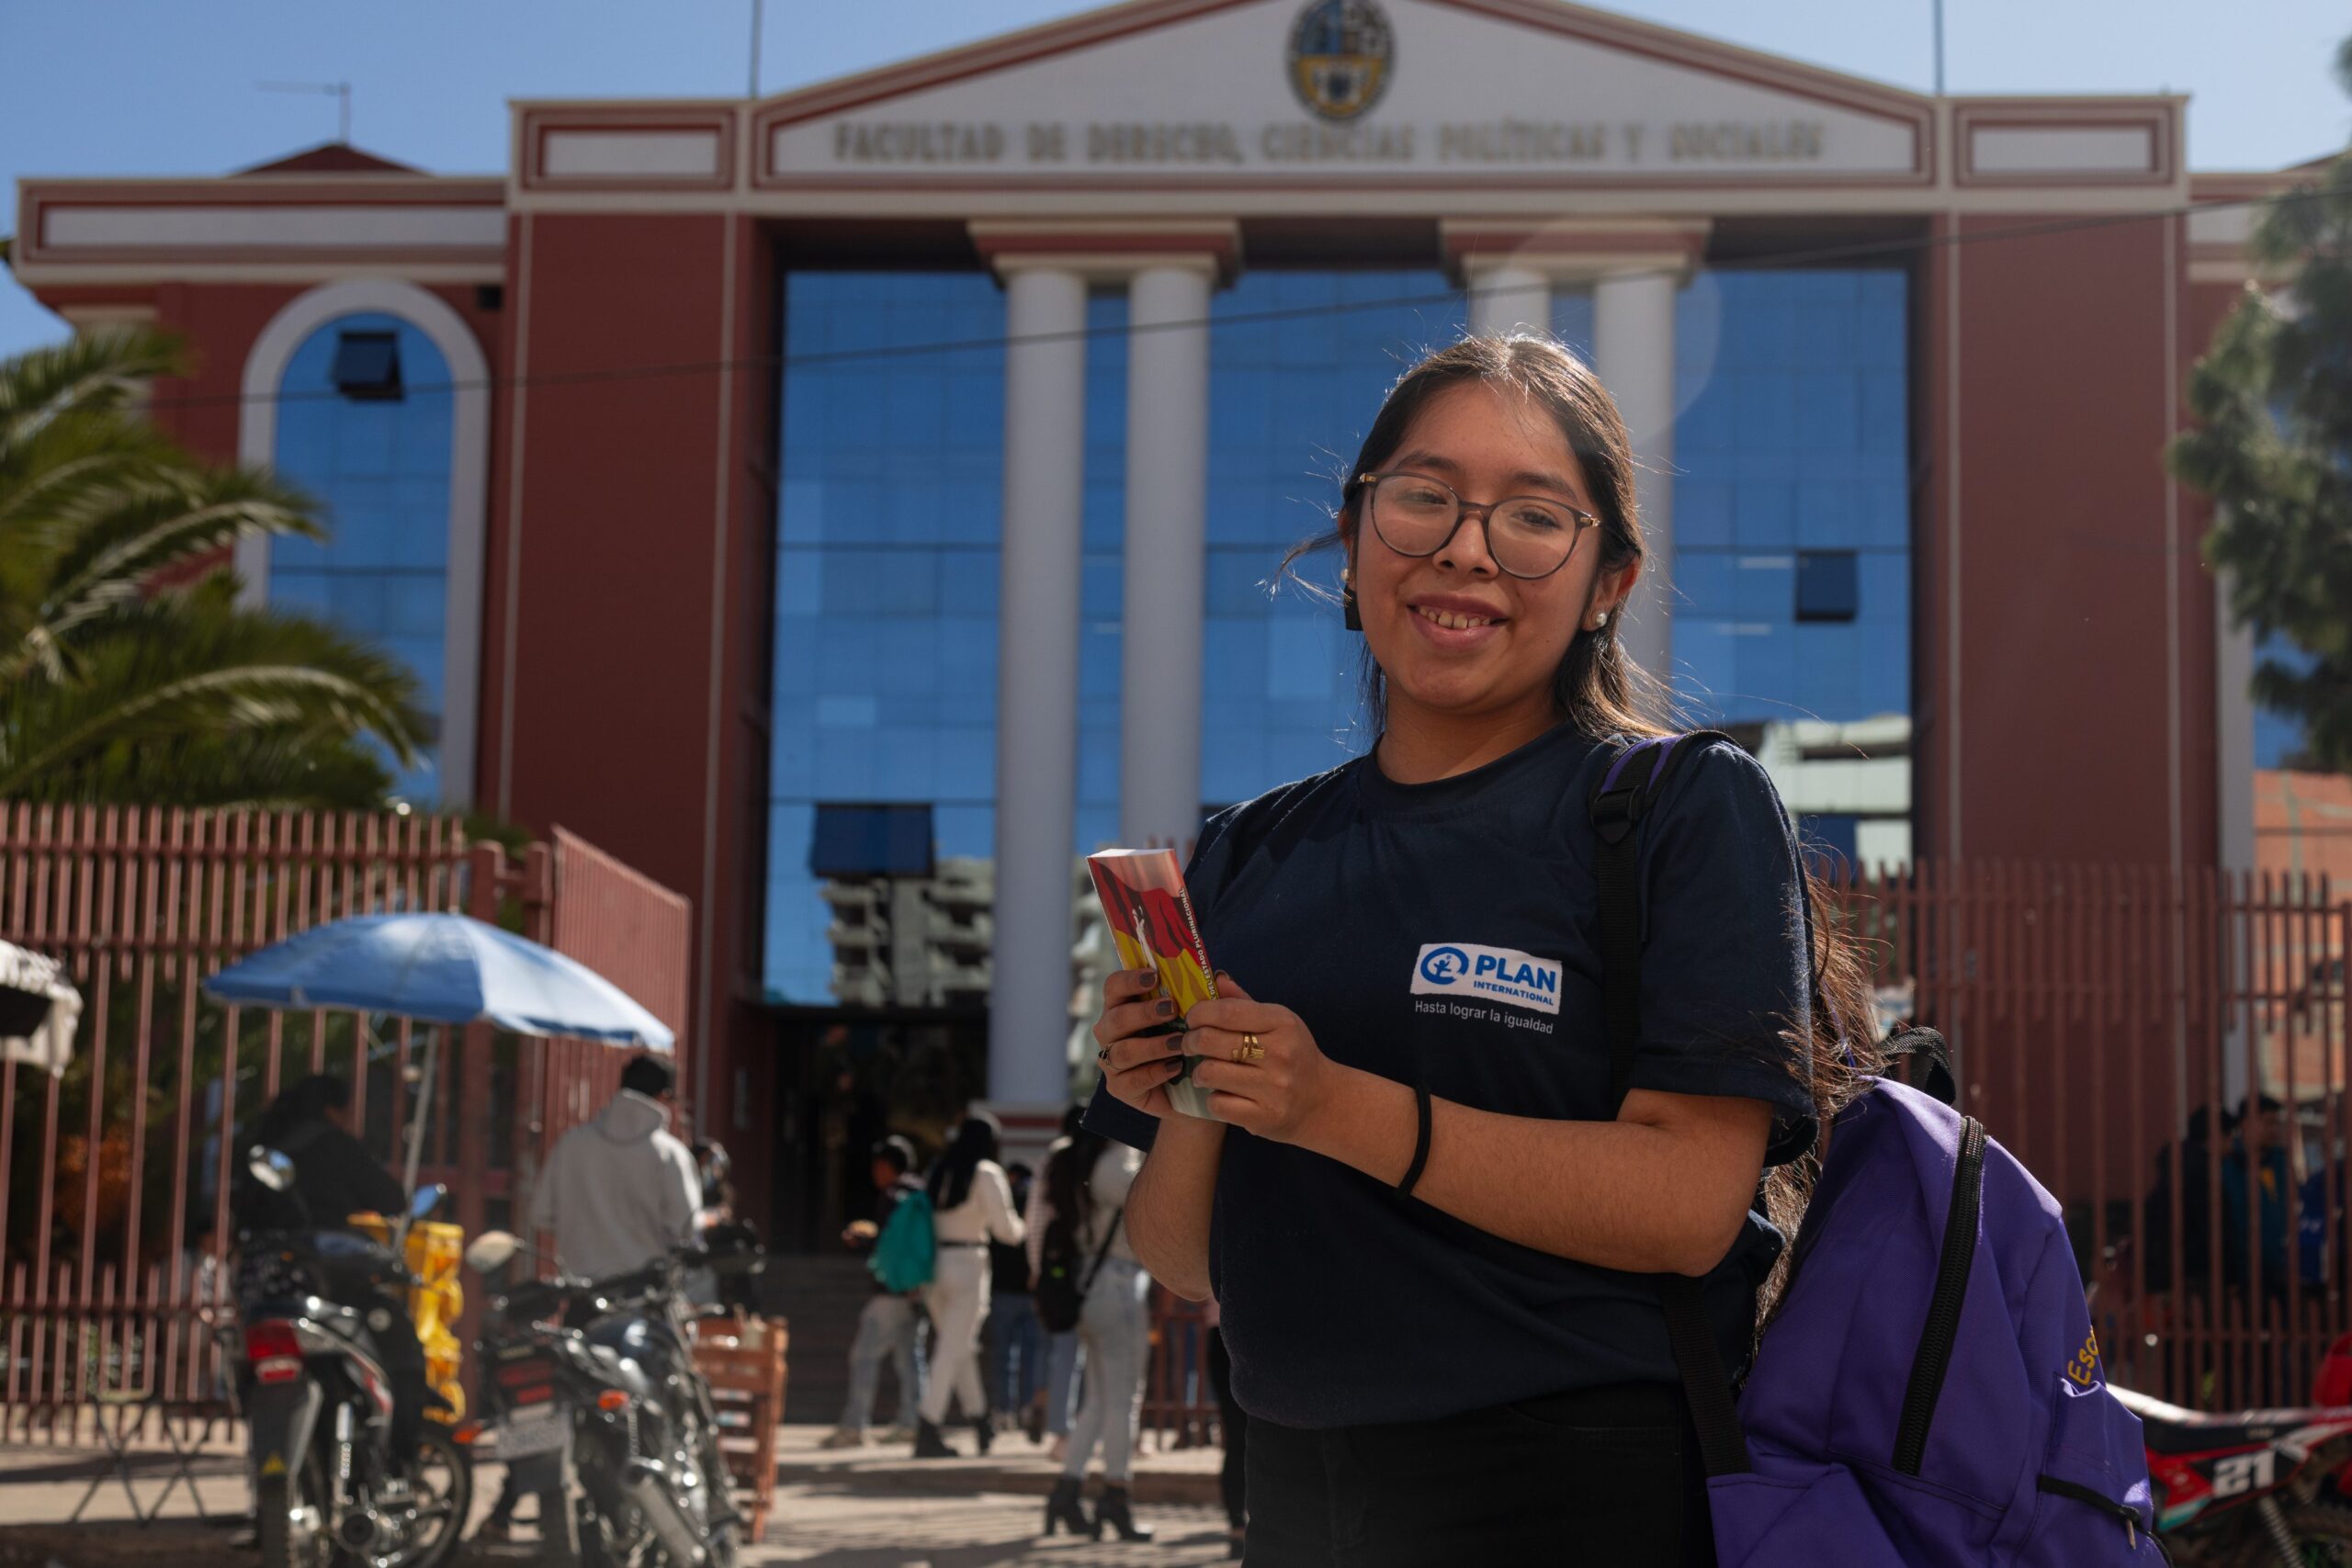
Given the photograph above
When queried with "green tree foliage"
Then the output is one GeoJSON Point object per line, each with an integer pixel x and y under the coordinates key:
{"type": "Point", "coordinates": [129, 672]}
{"type": "Point", "coordinates": [2274, 450]}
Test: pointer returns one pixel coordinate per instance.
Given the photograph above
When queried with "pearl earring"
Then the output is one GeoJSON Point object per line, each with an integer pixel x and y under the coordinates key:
{"type": "Point", "coordinates": [1602, 622]}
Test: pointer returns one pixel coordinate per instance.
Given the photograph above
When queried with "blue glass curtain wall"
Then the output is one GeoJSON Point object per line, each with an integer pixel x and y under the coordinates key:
{"type": "Point", "coordinates": [1792, 437]}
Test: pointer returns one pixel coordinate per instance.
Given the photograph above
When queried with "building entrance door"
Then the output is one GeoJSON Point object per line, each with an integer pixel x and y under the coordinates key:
{"type": "Point", "coordinates": [847, 1079]}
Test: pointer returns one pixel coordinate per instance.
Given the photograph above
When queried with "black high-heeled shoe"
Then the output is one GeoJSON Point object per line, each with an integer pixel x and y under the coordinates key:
{"type": "Point", "coordinates": [1111, 1509]}
{"type": "Point", "coordinates": [929, 1444]}
{"type": "Point", "coordinates": [1064, 1510]}
{"type": "Point", "coordinates": [984, 1430]}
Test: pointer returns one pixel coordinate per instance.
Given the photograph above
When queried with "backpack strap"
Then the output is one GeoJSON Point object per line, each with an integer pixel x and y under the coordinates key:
{"type": "Point", "coordinates": [1916, 1040]}
{"type": "Point", "coordinates": [1629, 788]}
{"type": "Point", "coordinates": [1103, 1253]}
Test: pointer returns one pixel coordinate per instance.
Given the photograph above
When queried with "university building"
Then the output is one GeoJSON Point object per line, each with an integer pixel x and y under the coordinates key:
{"type": "Point", "coordinates": [851, 506]}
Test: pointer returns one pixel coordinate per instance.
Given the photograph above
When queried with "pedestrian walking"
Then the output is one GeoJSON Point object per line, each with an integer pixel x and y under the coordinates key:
{"type": "Point", "coordinates": [1015, 1343]}
{"type": "Point", "coordinates": [1113, 1328]}
{"type": "Point", "coordinates": [1431, 1231]}
{"type": "Point", "coordinates": [972, 1205]}
{"type": "Point", "coordinates": [1051, 1414]}
{"type": "Point", "coordinates": [887, 1326]}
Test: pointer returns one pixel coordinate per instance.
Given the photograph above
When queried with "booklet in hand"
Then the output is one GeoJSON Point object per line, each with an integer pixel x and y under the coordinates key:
{"type": "Point", "coordinates": [1152, 925]}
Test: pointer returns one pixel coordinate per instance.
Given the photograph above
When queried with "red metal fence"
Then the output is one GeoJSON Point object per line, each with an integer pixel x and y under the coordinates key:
{"type": "Point", "coordinates": [2094, 1011]}
{"type": "Point", "coordinates": [2099, 1015]}
{"type": "Point", "coordinates": [114, 1177]}
{"type": "Point", "coordinates": [635, 932]}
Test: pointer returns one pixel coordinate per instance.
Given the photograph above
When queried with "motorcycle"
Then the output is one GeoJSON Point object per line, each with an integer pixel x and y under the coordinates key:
{"type": "Point", "coordinates": [328, 1489]}
{"type": "Point", "coordinates": [593, 1400]}
{"type": "Point", "coordinates": [2250, 1489]}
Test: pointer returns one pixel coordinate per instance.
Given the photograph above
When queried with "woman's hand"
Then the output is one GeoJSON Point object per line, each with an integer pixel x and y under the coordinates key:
{"type": "Point", "coordinates": [1138, 1067]}
{"type": "Point", "coordinates": [1273, 1095]}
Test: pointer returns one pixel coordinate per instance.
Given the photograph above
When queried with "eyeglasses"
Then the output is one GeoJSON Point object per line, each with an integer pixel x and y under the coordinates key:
{"type": "Point", "coordinates": [1528, 535]}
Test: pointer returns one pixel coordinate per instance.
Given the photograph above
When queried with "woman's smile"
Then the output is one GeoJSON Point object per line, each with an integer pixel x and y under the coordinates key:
{"type": "Point", "coordinates": [1456, 622]}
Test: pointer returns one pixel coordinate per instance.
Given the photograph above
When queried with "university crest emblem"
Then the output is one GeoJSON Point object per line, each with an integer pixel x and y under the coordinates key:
{"type": "Point", "coordinates": [1341, 52]}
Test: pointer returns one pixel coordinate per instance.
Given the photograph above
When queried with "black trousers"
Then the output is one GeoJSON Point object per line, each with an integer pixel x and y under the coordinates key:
{"type": "Point", "coordinates": [1234, 1422]}
{"type": "Point", "coordinates": [1604, 1478]}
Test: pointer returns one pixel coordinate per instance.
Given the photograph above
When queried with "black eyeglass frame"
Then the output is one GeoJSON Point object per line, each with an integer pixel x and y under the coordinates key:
{"type": "Point", "coordinates": [1462, 510]}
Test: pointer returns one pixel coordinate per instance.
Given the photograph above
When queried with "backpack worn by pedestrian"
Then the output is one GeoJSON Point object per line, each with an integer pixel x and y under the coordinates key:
{"type": "Point", "coordinates": [906, 1248]}
{"type": "Point", "coordinates": [1930, 1393]}
{"type": "Point", "coordinates": [1061, 1292]}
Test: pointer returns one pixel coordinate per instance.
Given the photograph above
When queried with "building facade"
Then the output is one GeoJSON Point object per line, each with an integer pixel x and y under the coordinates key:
{"type": "Point", "coordinates": [850, 506]}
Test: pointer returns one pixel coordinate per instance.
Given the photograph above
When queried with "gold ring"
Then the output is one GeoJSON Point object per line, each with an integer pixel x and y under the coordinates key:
{"type": "Point", "coordinates": [1249, 1050]}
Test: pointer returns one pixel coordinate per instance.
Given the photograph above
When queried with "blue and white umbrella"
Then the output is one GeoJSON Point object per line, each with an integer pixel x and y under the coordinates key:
{"type": "Point", "coordinates": [443, 968]}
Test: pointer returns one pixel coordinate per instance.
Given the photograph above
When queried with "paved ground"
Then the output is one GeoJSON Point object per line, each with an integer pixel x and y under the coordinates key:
{"type": "Point", "coordinates": [860, 1509]}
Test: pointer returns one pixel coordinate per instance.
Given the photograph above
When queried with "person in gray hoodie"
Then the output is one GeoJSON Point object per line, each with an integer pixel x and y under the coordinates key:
{"type": "Point", "coordinates": [621, 1191]}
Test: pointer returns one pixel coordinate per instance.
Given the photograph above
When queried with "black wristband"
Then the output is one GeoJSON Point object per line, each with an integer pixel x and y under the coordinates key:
{"type": "Point", "coordinates": [1420, 1141]}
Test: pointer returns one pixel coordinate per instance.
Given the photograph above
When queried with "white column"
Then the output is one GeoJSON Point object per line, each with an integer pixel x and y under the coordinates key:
{"type": "Point", "coordinates": [1508, 298]}
{"type": "Point", "coordinates": [1036, 715]}
{"type": "Point", "coordinates": [1168, 438]}
{"type": "Point", "coordinates": [1633, 342]}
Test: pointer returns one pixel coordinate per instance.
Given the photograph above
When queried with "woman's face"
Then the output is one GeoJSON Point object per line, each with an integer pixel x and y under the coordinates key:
{"type": "Point", "coordinates": [1454, 635]}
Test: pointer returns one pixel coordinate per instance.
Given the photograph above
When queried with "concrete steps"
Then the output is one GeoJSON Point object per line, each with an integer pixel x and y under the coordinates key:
{"type": "Point", "coordinates": [821, 1298]}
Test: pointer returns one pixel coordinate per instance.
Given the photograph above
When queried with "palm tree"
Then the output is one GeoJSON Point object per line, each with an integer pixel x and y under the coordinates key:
{"type": "Point", "coordinates": [129, 672]}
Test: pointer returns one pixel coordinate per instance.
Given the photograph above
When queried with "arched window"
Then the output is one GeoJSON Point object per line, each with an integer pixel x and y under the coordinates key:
{"type": "Point", "coordinates": [371, 396]}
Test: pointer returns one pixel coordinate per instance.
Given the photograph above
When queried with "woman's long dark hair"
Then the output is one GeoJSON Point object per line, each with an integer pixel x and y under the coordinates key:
{"type": "Point", "coordinates": [951, 1179]}
{"type": "Point", "coordinates": [1602, 692]}
{"type": "Point", "coordinates": [1070, 1181]}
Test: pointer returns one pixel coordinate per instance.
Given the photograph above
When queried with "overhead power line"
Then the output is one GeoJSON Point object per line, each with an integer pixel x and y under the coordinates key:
{"type": "Point", "coordinates": [1854, 250]}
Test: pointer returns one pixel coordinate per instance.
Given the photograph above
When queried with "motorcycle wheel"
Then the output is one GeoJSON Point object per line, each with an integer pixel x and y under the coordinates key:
{"type": "Point", "coordinates": [444, 1482]}
{"type": "Point", "coordinates": [276, 1498]}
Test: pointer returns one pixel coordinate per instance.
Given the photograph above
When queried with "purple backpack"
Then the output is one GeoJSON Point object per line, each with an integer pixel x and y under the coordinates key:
{"type": "Point", "coordinates": [1930, 1393]}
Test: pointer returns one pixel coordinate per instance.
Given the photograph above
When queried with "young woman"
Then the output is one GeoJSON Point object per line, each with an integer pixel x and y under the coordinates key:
{"type": "Point", "coordinates": [1477, 1369]}
{"type": "Point", "coordinates": [1052, 1412]}
{"type": "Point", "coordinates": [972, 1205]}
{"type": "Point", "coordinates": [1086, 1193]}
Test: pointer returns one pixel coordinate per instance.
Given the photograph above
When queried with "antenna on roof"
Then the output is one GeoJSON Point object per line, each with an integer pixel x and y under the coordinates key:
{"type": "Point", "coordinates": [342, 90]}
{"type": "Point", "coordinates": [1940, 48]}
{"type": "Point", "coordinates": [757, 8]}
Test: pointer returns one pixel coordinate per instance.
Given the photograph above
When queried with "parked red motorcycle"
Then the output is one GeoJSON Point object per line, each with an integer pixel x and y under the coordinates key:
{"type": "Point", "coordinates": [2252, 1489]}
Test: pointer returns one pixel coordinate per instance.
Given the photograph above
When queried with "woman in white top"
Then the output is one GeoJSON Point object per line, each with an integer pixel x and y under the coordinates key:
{"type": "Point", "coordinates": [971, 1204]}
{"type": "Point", "coordinates": [1114, 1330]}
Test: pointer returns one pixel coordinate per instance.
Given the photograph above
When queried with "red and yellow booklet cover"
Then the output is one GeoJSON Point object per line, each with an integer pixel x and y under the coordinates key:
{"type": "Point", "coordinates": [1152, 924]}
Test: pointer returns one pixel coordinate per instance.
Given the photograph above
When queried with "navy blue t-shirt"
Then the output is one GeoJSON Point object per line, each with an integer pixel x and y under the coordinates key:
{"type": "Point", "coordinates": [1449, 932]}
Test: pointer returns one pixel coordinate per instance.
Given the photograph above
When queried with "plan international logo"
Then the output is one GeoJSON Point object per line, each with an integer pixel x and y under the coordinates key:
{"type": "Point", "coordinates": [1340, 55]}
{"type": "Point", "coordinates": [1487, 974]}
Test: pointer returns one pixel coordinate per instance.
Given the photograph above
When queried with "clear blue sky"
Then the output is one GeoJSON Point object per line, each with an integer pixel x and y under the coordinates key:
{"type": "Point", "coordinates": [166, 86]}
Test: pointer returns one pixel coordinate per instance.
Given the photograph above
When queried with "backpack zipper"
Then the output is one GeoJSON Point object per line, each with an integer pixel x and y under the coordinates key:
{"type": "Point", "coordinates": [2097, 1499]}
{"type": "Point", "coordinates": [1934, 1359]}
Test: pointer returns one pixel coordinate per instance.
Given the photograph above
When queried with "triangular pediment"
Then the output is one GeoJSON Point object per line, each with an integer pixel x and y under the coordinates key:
{"type": "Point", "coordinates": [1320, 91]}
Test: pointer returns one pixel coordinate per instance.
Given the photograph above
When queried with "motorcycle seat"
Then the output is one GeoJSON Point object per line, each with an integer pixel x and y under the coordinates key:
{"type": "Point", "coordinates": [2170, 1429]}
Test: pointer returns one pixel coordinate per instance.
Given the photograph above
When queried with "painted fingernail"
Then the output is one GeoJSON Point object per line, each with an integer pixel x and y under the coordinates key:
{"type": "Point", "coordinates": [1164, 1008]}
